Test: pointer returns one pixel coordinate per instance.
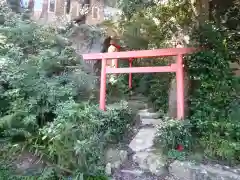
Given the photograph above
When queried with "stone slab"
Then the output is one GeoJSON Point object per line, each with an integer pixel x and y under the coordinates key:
{"type": "Point", "coordinates": [143, 140]}
{"type": "Point", "coordinates": [153, 115]}
{"type": "Point", "coordinates": [137, 172]}
{"type": "Point", "coordinates": [151, 162]}
{"type": "Point", "coordinates": [146, 110]}
{"type": "Point", "coordinates": [190, 171]}
{"type": "Point", "coordinates": [146, 121]}
{"type": "Point", "coordinates": [114, 158]}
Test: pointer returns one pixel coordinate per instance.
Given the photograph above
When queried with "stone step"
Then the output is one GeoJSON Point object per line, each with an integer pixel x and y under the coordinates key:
{"type": "Point", "coordinates": [151, 162]}
{"type": "Point", "coordinates": [137, 97]}
{"type": "Point", "coordinates": [143, 140]}
{"type": "Point", "coordinates": [188, 171]}
{"type": "Point", "coordinates": [134, 174]}
{"type": "Point", "coordinates": [151, 110]}
{"type": "Point", "coordinates": [137, 104]}
{"type": "Point", "coordinates": [149, 115]}
{"type": "Point", "coordinates": [154, 122]}
{"type": "Point", "coordinates": [137, 172]}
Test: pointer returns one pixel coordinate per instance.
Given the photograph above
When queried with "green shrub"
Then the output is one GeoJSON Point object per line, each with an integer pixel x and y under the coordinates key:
{"type": "Point", "coordinates": [76, 139]}
{"type": "Point", "coordinates": [7, 173]}
{"type": "Point", "coordinates": [214, 100]}
{"type": "Point", "coordinates": [45, 104]}
{"type": "Point", "coordinates": [35, 76]}
{"type": "Point", "coordinates": [155, 86]}
{"type": "Point", "coordinates": [172, 133]}
{"type": "Point", "coordinates": [117, 86]}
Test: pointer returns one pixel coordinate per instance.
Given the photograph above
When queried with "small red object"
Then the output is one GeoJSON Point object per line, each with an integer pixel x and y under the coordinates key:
{"type": "Point", "coordinates": [116, 46]}
{"type": "Point", "coordinates": [180, 147]}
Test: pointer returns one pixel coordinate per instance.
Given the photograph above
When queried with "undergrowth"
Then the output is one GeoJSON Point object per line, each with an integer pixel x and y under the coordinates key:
{"type": "Point", "coordinates": [47, 103]}
{"type": "Point", "coordinates": [155, 86]}
{"type": "Point", "coordinates": [214, 101]}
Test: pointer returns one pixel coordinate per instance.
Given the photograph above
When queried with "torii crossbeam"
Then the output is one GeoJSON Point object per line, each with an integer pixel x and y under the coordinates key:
{"type": "Point", "coordinates": [176, 67]}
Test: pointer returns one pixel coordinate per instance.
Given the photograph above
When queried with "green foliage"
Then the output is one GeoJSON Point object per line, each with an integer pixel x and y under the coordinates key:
{"type": "Point", "coordinates": [117, 86]}
{"type": "Point", "coordinates": [151, 26]}
{"type": "Point", "coordinates": [34, 74]}
{"type": "Point", "coordinates": [173, 133]}
{"type": "Point", "coordinates": [176, 155]}
{"type": "Point", "coordinates": [45, 101]}
{"type": "Point", "coordinates": [154, 26]}
{"type": "Point", "coordinates": [130, 7]}
{"type": "Point", "coordinates": [215, 91]}
{"type": "Point", "coordinates": [111, 3]}
{"type": "Point", "coordinates": [7, 173]}
{"type": "Point", "coordinates": [155, 86]}
{"type": "Point", "coordinates": [77, 137]}
{"type": "Point", "coordinates": [15, 5]}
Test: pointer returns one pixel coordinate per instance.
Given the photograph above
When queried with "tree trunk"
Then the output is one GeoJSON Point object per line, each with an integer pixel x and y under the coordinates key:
{"type": "Point", "coordinates": [31, 5]}
{"type": "Point", "coordinates": [172, 102]}
{"type": "Point", "coordinates": [15, 5]}
{"type": "Point", "coordinates": [44, 13]}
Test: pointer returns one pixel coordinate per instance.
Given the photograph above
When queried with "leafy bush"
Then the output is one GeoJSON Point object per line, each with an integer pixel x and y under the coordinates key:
{"type": "Point", "coordinates": [214, 99]}
{"type": "Point", "coordinates": [45, 104]}
{"type": "Point", "coordinates": [215, 91]}
{"type": "Point", "coordinates": [35, 76]}
{"type": "Point", "coordinates": [7, 173]}
{"type": "Point", "coordinates": [117, 86]}
{"type": "Point", "coordinates": [77, 137]}
{"type": "Point", "coordinates": [173, 133]}
{"type": "Point", "coordinates": [155, 86]}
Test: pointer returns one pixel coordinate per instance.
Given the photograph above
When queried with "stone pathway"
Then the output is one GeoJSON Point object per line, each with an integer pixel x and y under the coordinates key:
{"type": "Point", "coordinates": [142, 162]}
{"type": "Point", "coordinates": [137, 159]}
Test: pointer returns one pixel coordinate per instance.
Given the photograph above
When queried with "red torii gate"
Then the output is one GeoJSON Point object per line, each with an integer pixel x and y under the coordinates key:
{"type": "Point", "coordinates": [176, 67]}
